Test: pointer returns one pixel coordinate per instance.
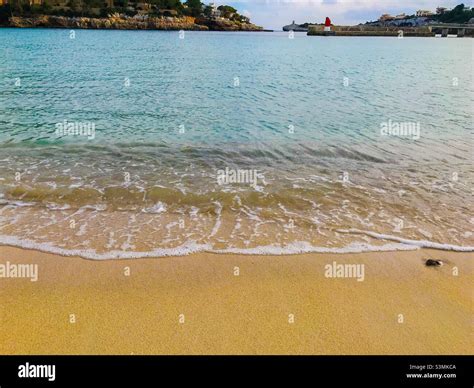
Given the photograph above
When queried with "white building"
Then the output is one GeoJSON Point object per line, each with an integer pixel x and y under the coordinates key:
{"type": "Point", "coordinates": [215, 13]}
{"type": "Point", "coordinates": [441, 10]}
{"type": "Point", "coordinates": [424, 12]}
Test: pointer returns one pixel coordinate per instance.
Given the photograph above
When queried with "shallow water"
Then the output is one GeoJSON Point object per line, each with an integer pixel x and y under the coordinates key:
{"type": "Point", "coordinates": [298, 120]}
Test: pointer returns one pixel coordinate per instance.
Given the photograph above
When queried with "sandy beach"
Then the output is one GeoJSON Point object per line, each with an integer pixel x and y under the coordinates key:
{"type": "Point", "coordinates": [233, 304]}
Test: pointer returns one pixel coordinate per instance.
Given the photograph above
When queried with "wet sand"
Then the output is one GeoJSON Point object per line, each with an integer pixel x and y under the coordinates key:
{"type": "Point", "coordinates": [276, 305]}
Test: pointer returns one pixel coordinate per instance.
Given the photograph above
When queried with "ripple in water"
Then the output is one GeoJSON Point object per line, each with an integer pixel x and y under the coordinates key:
{"type": "Point", "coordinates": [148, 182]}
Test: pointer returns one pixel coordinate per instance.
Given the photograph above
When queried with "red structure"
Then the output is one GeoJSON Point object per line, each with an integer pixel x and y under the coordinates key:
{"type": "Point", "coordinates": [327, 23]}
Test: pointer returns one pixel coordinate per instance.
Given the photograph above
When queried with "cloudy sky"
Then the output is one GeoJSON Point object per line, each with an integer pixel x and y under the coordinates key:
{"type": "Point", "coordinates": [274, 14]}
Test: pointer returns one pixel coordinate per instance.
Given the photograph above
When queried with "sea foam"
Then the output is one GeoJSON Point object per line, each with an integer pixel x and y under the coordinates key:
{"type": "Point", "coordinates": [190, 247]}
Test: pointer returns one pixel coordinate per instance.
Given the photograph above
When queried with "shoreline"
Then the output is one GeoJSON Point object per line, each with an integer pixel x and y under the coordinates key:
{"type": "Point", "coordinates": [296, 248]}
{"type": "Point", "coordinates": [127, 29]}
{"type": "Point", "coordinates": [129, 24]}
{"type": "Point", "coordinates": [233, 304]}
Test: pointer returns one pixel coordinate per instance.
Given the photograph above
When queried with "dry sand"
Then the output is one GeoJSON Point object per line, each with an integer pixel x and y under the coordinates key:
{"type": "Point", "coordinates": [245, 314]}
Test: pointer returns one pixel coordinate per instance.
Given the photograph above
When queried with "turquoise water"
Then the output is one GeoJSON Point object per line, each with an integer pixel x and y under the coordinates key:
{"type": "Point", "coordinates": [168, 114]}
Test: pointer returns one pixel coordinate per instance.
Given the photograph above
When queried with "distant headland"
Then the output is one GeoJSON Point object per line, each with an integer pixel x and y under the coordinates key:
{"type": "Point", "coordinates": [124, 15]}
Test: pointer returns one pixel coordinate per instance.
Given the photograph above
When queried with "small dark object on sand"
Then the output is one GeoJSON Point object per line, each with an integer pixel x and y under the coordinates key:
{"type": "Point", "coordinates": [433, 263]}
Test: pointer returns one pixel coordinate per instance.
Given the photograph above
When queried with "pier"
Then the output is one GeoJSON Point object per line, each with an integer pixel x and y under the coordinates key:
{"type": "Point", "coordinates": [461, 30]}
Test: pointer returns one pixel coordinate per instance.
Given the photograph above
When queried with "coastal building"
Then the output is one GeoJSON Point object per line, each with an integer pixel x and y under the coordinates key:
{"type": "Point", "coordinates": [386, 17]}
{"type": "Point", "coordinates": [403, 20]}
{"type": "Point", "coordinates": [215, 12]}
{"type": "Point", "coordinates": [441, 10]}
{"type": "Point", "coordinates": [424, 12]}
{"type": "Point", "coordinates": [389, 20]}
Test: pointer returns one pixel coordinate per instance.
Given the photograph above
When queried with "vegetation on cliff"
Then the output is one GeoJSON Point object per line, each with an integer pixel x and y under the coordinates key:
{"type": "Point", "coordinates": [18, 13]}
{"type": "Point", "coordinates": [459, 14]}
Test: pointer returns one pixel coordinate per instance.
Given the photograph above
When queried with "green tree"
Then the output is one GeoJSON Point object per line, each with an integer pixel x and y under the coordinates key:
{"type": "Point", "coordinates": [75, 5]}
{"type": "Point", "coordinates": [207, 10]}
{"type": "Point", "coordinates": [194, 7]}
{"type": "Point", "coordinates": [229, 12]}
{"type": "Point", "coordinates": [45, 8]}
{"type": "Point", "coordinates": [19, 7]}
{"type": "Point", "coordinates": [5, 13]}
{"type": "Point", "coordinates": [459, 14]}
{"type": "Point", "coordinates": [227, 9]}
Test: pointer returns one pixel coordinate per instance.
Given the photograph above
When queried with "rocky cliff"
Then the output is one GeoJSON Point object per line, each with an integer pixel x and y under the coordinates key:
{"type": "Point", "coordinates": [167, 23]}
{"type": "Point", "coordinates": [227, 25]}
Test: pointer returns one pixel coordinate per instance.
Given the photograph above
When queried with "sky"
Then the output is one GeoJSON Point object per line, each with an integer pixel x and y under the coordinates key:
{"type": "Point", "coordinates": [274, 14]}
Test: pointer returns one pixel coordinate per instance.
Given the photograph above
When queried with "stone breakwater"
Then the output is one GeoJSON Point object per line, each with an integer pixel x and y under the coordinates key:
{"type": "Point", "coordinates": [363, 30]}
{"type": "Point", "coordinates": [168, 23]}
{"type": "Point", "coordinates": [318, 30]}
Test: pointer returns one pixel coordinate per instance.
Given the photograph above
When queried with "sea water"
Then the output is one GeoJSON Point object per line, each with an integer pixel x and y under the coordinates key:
{"type": "Point", "coordinates": [154, 143]}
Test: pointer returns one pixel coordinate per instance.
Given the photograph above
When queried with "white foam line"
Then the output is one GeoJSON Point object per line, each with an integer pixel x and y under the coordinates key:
{"type": "Point", "coordinates": [299, 247]}
{"type": "Point", "coordinates": [191, 247]}
{"type": "Point", "coordinates": [417, 243]}
{"type": "Point", "coordinates": [183, 250]}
